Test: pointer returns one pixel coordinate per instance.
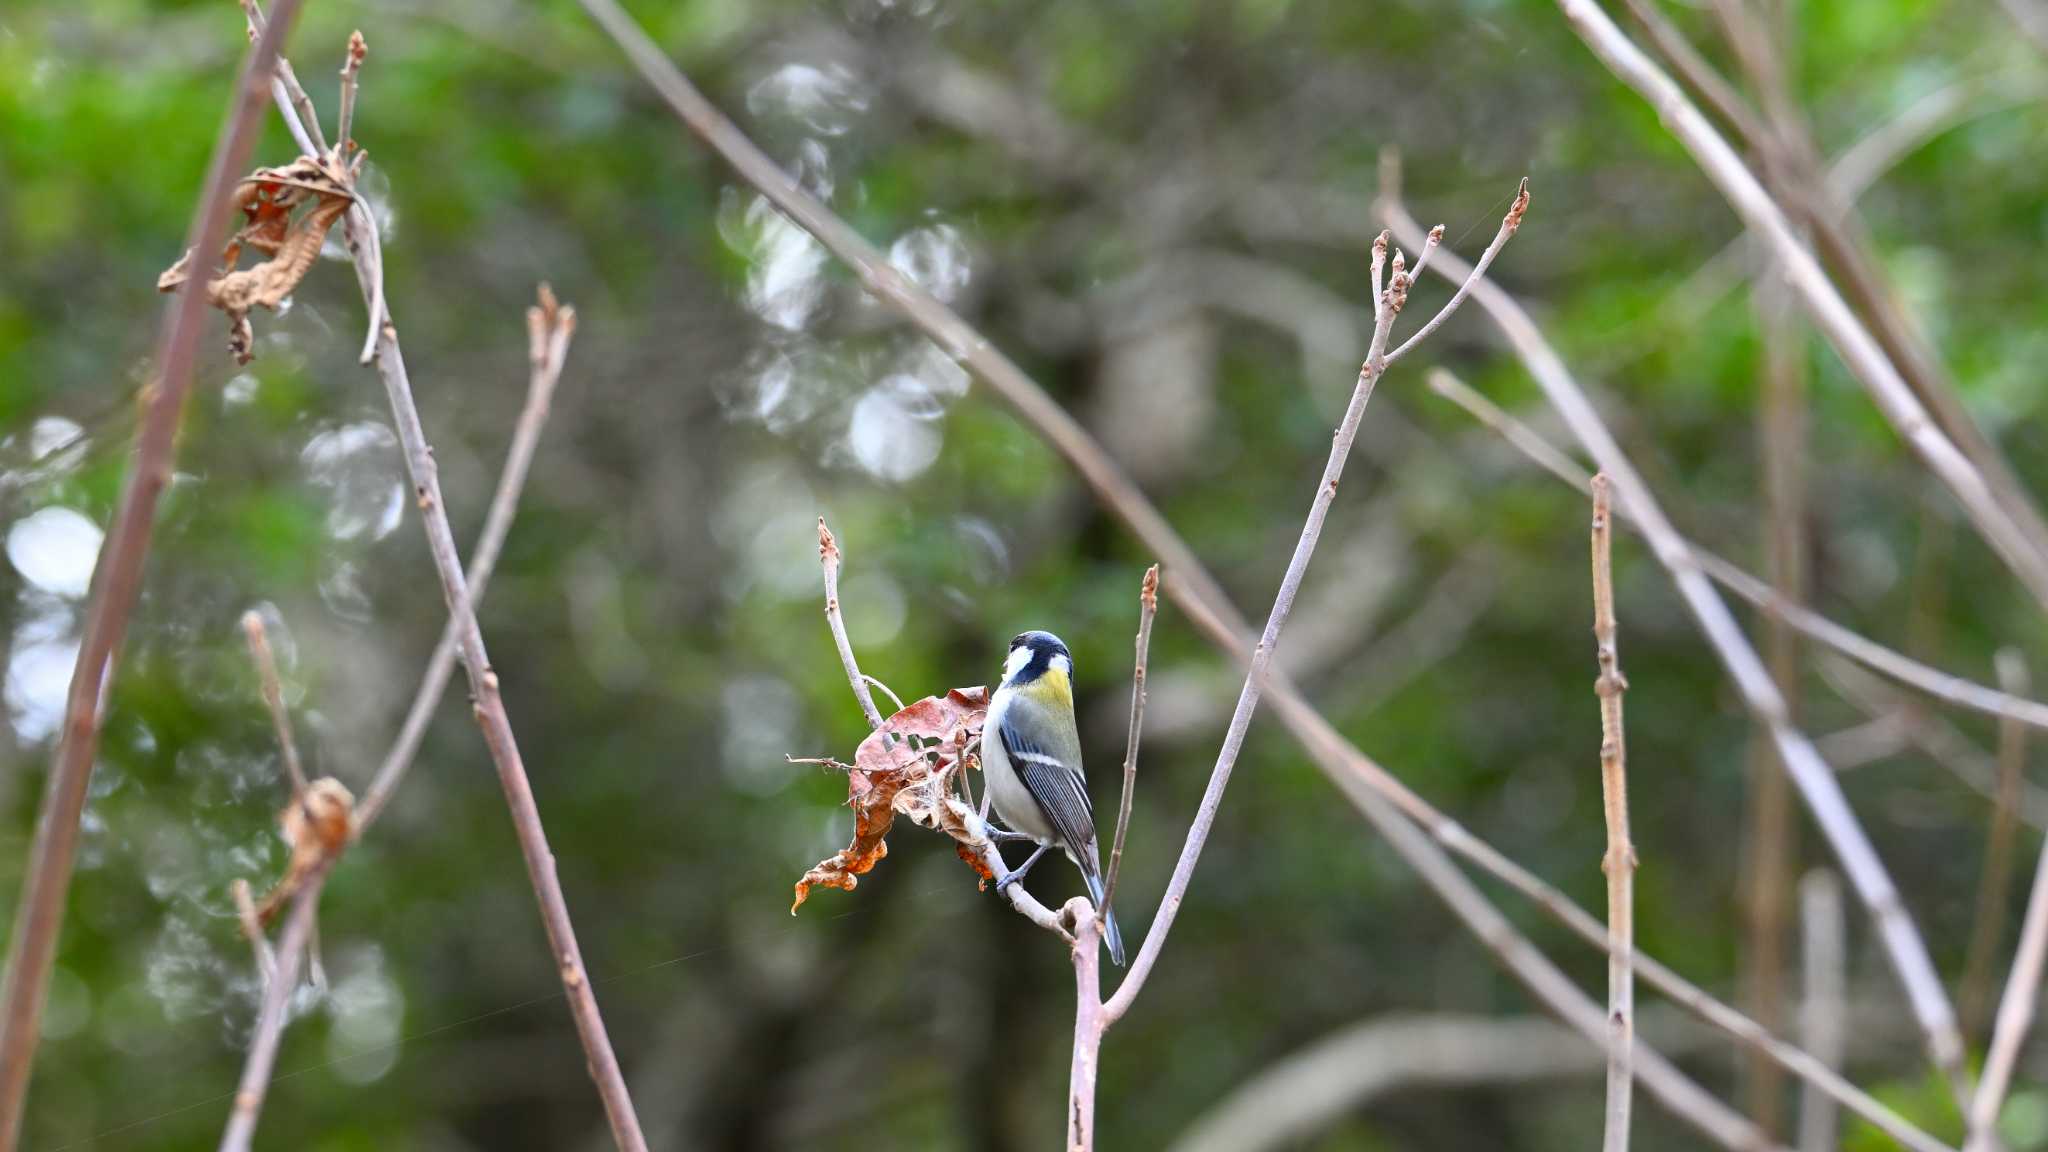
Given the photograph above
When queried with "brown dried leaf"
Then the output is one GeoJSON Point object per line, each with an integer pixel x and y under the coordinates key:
{"type": "Point", "coordinates": [270, 199]}
{"type": "Point", "coordinates": [317, 825]}
{"type": "Point", "coordinates": [907, 766]}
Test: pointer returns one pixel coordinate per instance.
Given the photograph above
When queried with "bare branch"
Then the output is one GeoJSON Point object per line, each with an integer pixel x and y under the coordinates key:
{"type": "Point", "coordinates": [1620, 862]}
{"type": "Point", "coordinates": [1816, 783]}
{"type": "Point", "coordinates": [117, 576]}
{"type": "Point", "coordinates": [1822, 1012]}
{"type": "Point", "coordinates": [1090, 1021]}
{"type": "Point", "coordinates": [252, 930]}
{"type": "Point", "coordinates": [1545, 982]}
{"type": "Point", "coordinates": [549, 327]}
{"type": "Point", "coordinates": [1860, 351]}
{"type": "Point", "coordinates": [1148, 607]}
{"type": "Point", "coordinates": [488, 706]}
{"type": "Point", "coordinates": [2015, 1015]}
{"type": "Point", "coordinates": [1508, 225]}
{"type": "Point", "coordinates": [828, 559]}
{"type": "Point", "coordinates": [1941, 685]}
{"type": "Point", "coordinates": [1943, 742]}
{"type": "Point", "coordinates": [1188, 583]}
{"type": "Point", "coordinates": [277, 998]}
{"type": "Point", "coordinates": [273, 698]}
{"type": "Point", "coordinates": [1988, 924]}
{"type": "Point", "coordinates": [351, 64]}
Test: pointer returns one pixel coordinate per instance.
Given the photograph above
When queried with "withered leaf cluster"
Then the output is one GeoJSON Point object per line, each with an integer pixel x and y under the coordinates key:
{"type": "Point", "coordinates": [287, 213]}
{"type": "Point", "coordinates": [908, 767]}
{"type": "Point", "coordinates": [318, 824]}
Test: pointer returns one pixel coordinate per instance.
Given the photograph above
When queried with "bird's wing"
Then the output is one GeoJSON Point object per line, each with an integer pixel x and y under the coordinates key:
{"type": "Point", "coordinates": [1028, 733]}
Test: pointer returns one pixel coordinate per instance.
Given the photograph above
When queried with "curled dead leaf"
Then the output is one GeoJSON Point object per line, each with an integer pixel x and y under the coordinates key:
{"type": "Point", "coordinates": [317, 825]}
{"type": "Point", "coordinates": [907, 767]}
{"type": "Point", "coordinates": [287, 213]}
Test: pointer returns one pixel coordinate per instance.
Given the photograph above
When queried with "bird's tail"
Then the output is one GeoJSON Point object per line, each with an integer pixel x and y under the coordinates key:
{"type": "Point", "coordinates": [1110, 935]}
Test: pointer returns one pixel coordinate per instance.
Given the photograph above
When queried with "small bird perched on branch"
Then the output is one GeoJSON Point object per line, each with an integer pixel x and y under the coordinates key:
{"type": "Point", "coordinates": [1031, 753]}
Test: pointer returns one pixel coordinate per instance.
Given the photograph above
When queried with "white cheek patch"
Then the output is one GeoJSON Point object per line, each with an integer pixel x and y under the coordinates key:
{"type": "Point", "coordinates": [1064, 666]}
{"type": "Point", "coordinates": [1019, 657]}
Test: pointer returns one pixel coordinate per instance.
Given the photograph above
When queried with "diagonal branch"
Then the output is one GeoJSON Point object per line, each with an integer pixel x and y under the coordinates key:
{"type": "Point", "coordinates": [549, 327]}
{"type": "Point", "coordinates": [1816, 782]}
{"type": "Point", "coordinates": [117, 577]}
{"type": "Point", "coordinates": [1941, 685]}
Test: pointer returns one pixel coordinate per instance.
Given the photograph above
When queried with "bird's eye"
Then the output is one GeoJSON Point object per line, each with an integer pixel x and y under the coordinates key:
{"type": "Point", "coordinates": [1018, 639]}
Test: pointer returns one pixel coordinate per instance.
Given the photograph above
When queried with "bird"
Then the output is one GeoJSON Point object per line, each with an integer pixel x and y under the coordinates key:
{"type": "Point", "coordinates": [1031, 757]}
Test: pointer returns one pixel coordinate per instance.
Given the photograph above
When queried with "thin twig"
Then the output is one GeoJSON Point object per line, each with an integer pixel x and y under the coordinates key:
{"type": "Point", "coordinates": [273, 698]}
{"type": "Point", "coordinates": [2015, 1015]}
{"type": "Point", "coordinates": [277, 998]}
{"type": "Point", "coordinates": [1188, 582]}
{"type": "Point", "coordinates": [1823, 1012]}
{"type": "Point", "coordinates": [1942, 741]}
{"type": "Point", "coordinates": [549, 327]}
{"type": "Point", "coordinates": [351, 64]}
{"type": "Point", "coordinates": [1817, 784]}
{"type": "Point", "coordinates": [1897, 665]}
{"type": "Point", "coordinates": [1988, 924]}
{"type": "Point", "coordinates": [252, 930]}
{"type": "Point", "coordinates": [1620, 862]}
{"type": "Point", "coordinates": [885, 690]}
{"type": "Point", "coordinates": [1148, 607]}
{"type": "Point", "coordinates": [117, 576]}
{"type": "Point", "coordinates": [828, 559]}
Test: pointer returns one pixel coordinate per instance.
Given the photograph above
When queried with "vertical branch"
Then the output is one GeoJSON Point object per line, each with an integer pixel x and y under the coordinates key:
{"type": "Point", "coordinates": [1148, 607]}
{"type": "Point", "coordinates": [1823, 1010]}
{"type": "Point", "coordinates": [1771, 830]}
{"type": "Point", "coordinates": [828, 559]}
{"type": "Point", "coordinates": [1620, 861]}
{"type": "Point", "coordinates": [117, 577]}
{"type": "Point", "coordinates": [277, 999]}
{"type": "Point", "coordinates": [1988, 925]}
{"type": "Point", "coordinates": [2015, 1015]}
{"type": "Point", "coordinates": [1089, 1024]}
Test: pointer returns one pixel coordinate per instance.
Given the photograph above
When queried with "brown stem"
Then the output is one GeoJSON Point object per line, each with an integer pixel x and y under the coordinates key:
{"type": "Point", "coordinates": [1988, 924]}
{"type": "Point", "coordinates": [1148, 607]}
{"type": "Point", "coordinates": [117, 577]}
{"type": "Point", "coordinates": [277, 998]}
{"type": "Point", "coordinates": [1620, 862]}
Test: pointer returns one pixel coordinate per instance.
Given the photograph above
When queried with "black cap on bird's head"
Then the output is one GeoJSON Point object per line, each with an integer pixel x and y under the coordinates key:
{"type": "Point", "coordinates": [1031, 653]}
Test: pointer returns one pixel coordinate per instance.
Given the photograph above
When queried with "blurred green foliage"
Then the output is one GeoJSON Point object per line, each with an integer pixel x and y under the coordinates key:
{"type": "Point", "coordinates": [1085, 181]}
